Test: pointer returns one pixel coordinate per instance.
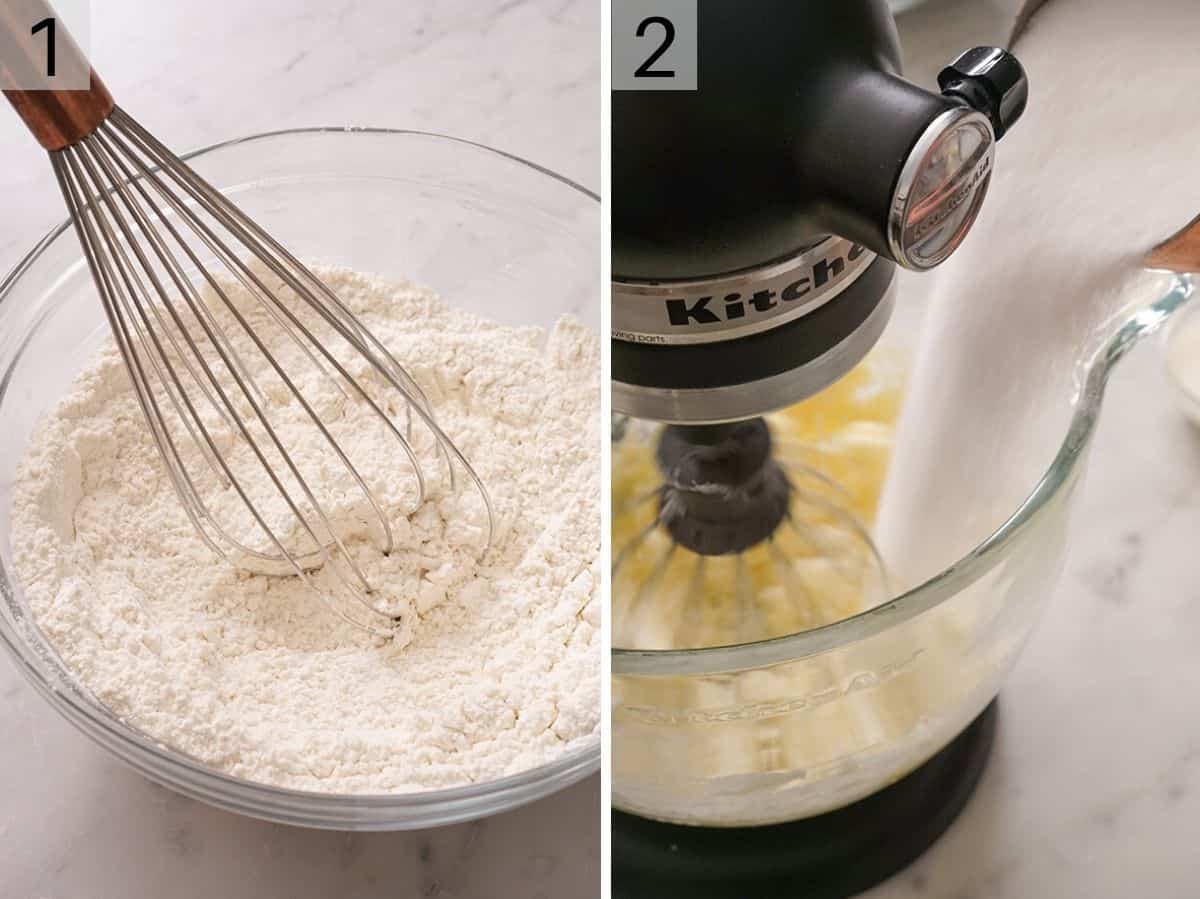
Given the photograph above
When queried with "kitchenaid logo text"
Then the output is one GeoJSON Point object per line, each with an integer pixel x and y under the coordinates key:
{"type": "Point", "coordinates": [683, 313]}
{"type": "Point", "coordinates": [738, 304]}
{"type": "Point", "coordinates": [971, 185]}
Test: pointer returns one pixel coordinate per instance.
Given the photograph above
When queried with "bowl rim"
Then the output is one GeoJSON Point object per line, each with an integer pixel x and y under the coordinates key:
{"type": "Point", "coordinates": [1094, 372]}
{"type": "Point", "coordinates": [187, 773]}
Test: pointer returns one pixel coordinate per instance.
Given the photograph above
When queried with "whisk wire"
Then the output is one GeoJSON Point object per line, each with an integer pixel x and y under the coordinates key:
{"type": "Point", "coordinates": [198, 188]}
{"type": "Point", "coordinates": [67, 175]}
{"type": "Point", "coordinates": [817, 532]}
{"type": "Point", "coordinates": [123, 310]}
{"type": "Point", "coordinates": [76, 161]}
{"type": "Point", "coordinates": [291, 271]}
{"type": "Point", "coordinates": [332, 309]}
{"type": "Point", "coordinates": [194, 302]}
{"type": "Point", "coordinates": [133, 281]}
{"type": "Point", "coordinates": [231, 262]}
{"type": "Point", "coordinates": [278, 311]}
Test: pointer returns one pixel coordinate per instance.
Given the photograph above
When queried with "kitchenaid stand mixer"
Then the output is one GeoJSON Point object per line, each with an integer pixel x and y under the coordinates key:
{"type": "Point", "coordinates": [757, 223]}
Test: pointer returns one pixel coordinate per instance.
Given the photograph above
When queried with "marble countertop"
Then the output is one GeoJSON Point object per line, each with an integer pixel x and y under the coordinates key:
{"type": "Point", "coordinates": [522, 76]}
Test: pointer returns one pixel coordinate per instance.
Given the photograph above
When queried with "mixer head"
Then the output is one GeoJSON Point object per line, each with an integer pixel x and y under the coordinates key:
{"type": "Point", "coordinates": [757, 223]}
{"type": "Point", "coordinates": [757, 220]}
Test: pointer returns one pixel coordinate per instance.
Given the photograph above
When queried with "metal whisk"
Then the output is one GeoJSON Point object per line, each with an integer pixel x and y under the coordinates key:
{"type": "Point", "coordinates": [739, 539]}
{"type": "Point", "coordinates": [165, 249]}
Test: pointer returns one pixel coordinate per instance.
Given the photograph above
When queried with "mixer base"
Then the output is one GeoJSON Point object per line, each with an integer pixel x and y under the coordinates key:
{"type": "Point", "coordinates": [831, 856]}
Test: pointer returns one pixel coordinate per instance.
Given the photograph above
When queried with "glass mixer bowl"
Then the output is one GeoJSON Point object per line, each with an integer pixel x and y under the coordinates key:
{"type": "Point", "coordinates": [796, 726]}
{"type": "Point", "coordinates": [490, 232]}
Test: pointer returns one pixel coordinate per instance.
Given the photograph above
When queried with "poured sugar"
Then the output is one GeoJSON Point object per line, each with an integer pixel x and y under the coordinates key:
{"type": "Point", "coordinates": [494, 664]}
{"type": "Point", "coordinates": [1100, 169]}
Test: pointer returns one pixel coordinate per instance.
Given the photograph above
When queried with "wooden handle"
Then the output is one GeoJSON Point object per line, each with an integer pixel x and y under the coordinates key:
{"type": "Point", "coordinates": [57, 118]}
{"type": "Point", "coordinates": [1180, 252]}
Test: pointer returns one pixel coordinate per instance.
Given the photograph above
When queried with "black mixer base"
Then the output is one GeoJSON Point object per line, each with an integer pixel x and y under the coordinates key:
{"type": "Point", "coordinates": [831, 856]}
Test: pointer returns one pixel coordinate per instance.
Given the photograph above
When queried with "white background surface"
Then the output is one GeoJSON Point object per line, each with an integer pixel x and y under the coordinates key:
{"type": "Point", "coordinates": [521, 76]}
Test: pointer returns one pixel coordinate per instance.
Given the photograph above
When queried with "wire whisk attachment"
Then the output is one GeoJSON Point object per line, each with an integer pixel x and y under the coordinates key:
{"type": "Point", "coordinates": [724, 535]}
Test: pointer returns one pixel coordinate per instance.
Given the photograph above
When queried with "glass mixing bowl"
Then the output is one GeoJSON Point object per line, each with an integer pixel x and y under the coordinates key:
{"type": "Point", "coordinates": [796, 726]}
{"type": "Point", "coordinates": [494, 234]}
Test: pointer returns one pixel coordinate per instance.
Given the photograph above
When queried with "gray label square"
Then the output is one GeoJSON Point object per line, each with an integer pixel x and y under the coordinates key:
{"type": "Point", "coordinates": [46, 49]}
{"type": "Point", "coordinates": [654, 45]}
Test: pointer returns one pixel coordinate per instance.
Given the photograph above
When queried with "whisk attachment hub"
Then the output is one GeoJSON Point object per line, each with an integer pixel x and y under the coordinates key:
{"type": "Point", "coordinates": [723, 491]}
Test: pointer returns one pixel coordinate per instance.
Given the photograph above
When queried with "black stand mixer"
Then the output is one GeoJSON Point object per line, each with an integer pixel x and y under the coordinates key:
{"type": "Point", "coordinates": [757, 222]}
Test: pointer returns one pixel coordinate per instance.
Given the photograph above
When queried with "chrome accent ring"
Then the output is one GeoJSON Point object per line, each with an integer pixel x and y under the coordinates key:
{"type": "Point", "coordinates": [913, 166]}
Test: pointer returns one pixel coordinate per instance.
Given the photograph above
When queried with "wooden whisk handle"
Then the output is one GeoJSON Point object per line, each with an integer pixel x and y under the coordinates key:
{"type": "Point", "coordinates": [57, 118]}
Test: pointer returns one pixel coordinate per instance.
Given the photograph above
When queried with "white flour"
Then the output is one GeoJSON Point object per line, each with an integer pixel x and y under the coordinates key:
{"type": "Point", "coordinates": [495, 665]}
{"type": "Point", "coordinates": [1100, 170]}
